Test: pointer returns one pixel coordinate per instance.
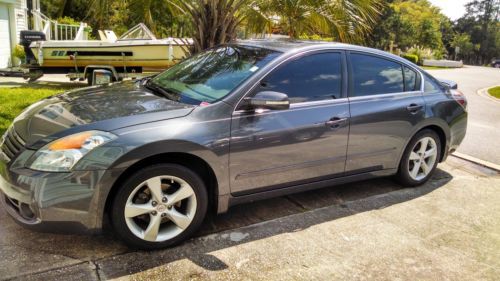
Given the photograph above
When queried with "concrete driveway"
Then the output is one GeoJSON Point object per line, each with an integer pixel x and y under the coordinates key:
{"type": "Point", "coordinates": [448, 229]}
{"type": "Point", "coordinates": [483, 131]}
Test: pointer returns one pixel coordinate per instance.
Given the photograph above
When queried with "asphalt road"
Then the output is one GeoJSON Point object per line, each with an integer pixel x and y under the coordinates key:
{"type": "Point", "coordinates": [483, 131]}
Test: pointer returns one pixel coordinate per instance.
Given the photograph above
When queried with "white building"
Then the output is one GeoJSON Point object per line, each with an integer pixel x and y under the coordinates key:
{"type": "Point", "coordinates": [13, 19]}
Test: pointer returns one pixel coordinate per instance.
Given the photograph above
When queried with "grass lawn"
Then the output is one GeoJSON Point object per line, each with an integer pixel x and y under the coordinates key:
{"type": "Point", "coordinates": [495, 92]}
{"type": "Point", "coordinates": [14, 100]}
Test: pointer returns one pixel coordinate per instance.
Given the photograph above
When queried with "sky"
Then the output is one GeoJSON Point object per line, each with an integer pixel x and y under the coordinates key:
{"type": "Point", "coordinates": [454, 9]}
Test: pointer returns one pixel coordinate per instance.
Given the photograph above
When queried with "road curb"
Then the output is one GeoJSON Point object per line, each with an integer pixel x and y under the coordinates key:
{"type": "Point", "coordinates": [484, 93]}
{"type": "Point", "coordinates": [477, 161]}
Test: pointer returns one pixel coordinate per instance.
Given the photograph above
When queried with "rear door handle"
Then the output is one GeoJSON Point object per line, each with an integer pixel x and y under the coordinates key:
{"type": "Point", "coordinates": [336, 122]}
{"type": "Point", "coordinates": [414, 108]}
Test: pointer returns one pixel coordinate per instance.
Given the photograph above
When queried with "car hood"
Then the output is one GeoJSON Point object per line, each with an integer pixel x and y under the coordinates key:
{"type": "Point", "coordinates": [104, 108]}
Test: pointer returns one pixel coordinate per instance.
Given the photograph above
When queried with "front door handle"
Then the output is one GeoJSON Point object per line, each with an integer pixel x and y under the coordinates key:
{"type": "Point", "coordinates": [414, 108]}
{"type": "Point", "coordinates": [336, 122]}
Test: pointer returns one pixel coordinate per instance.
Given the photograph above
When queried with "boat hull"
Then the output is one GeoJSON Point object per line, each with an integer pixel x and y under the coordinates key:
{"type": "Point", "coordinates": [121, 54]}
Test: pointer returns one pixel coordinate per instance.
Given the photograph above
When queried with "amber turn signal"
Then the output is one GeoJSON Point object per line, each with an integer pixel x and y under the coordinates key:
{"type": "Point", "coordinates": [71, 142]}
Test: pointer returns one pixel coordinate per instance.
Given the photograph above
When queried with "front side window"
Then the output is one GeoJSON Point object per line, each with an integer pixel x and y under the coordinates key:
{"type": "Point", "coordinates": [212, 74]}
{"type": "Point", "coordinates": [311, 78]}
{"type": "Point", "coordinates": [375, 76]}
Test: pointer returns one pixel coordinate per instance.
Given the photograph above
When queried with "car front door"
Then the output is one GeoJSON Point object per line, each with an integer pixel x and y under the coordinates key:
{"type": "Point", "coordinates": [308, 141]}
{"type": "Point", "coordinates": [386, 103]}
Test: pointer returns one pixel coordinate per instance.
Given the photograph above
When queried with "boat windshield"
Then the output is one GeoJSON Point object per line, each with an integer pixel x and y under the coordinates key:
{"type": "Point", "coordinates": [211, 75]}
{"type": "Point", "coordinates": [138, 32]}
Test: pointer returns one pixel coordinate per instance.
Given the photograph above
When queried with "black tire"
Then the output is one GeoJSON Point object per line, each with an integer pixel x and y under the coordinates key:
{"type": "Point", "coordinates": [117, 211]}
{"type": "Point", "coordinates": [403, 175]}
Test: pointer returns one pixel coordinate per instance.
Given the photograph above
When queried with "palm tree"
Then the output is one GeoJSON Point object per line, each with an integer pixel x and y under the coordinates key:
{"type": "Point", "coordinates": [214, 22]}
{"type": "Point", "coordinates": [345, 20]}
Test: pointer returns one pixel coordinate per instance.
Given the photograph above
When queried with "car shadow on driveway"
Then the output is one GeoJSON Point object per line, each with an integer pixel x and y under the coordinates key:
{"type": "Point", "coordinates": [111, 259]}
{"type": "Point", "coordinates": [319, 206]}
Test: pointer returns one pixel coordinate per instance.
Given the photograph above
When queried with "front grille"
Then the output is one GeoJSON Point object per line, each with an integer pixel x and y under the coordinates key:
{"type": "Point", "coordinates": [12, 144]}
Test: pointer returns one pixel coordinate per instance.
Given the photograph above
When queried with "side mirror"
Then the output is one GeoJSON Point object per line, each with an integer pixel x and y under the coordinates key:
{"type": "Point", "coordinates": [269, 100]}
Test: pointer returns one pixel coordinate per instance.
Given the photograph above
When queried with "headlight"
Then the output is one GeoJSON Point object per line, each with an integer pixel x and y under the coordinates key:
{"type": "Point", "coordinates": [62, 154]}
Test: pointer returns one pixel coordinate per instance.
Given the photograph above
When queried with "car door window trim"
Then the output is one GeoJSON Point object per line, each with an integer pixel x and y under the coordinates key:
{"type": "Point", "coordinates": [399, 94]}
{"type": "Point", "coordinates": [297, 106]}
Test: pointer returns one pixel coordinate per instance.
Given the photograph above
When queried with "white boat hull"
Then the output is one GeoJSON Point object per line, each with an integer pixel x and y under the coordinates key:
{"type": "Point", "coordinates": [158, 54]}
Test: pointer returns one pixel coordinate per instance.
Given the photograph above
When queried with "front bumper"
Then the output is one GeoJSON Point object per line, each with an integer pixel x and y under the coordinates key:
{"type": "Point", "coordinates": [54, 202]}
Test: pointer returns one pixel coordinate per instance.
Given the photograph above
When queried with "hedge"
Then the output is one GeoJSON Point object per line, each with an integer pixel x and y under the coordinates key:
{"type": "Point", "coordinates": [412, 58]}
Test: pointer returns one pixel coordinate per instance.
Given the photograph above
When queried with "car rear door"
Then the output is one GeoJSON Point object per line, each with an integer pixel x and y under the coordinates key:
{"type": "Point", "coordinates": [386, 103]}
{"type": "Point", "coordinates": [274, 148]}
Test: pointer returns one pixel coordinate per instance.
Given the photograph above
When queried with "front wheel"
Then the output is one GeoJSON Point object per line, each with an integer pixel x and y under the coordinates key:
{"type": "Point", "coordinates": [420, 159]}
{"type": "Point", "coordinates": [159, 206]}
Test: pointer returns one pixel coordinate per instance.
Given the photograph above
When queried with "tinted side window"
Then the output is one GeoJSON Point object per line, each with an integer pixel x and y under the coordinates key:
{"type": "Point", "coordinates": [311, 78]}
{"type": "Point", "coordinates": [375, 76]}
{"type": "Point", "coordinates": [410, 80]}
{"type": "Point", "coordinates": [431, 85]}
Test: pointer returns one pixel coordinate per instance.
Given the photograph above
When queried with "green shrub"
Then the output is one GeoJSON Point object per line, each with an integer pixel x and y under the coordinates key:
{"type": "Point", "coordinates": [421, 53]}
{"type": "Point", "coordinates": [67, 20]}
{"type": "Point", "coordinates": [410, 57]}
{"type": "Point", "coordinates": [19, 53]}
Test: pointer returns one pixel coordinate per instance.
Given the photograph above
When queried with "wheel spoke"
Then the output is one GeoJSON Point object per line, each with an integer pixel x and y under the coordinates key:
{"type": "Point", "coordinates": [423, 145]}
{"type": "Point", "coordinates": [154, 185]}
{"type": "Point", "coordinates": [134, 210]}
{"type": "Point", "coordinates": [430, 153]}
{"type": "Point", "coordinates": [184, 192]}
{"type": "Point", "coordinates": [151, 233]}
{"type": "Point", "coordinates": [414, 156]}
{"type": "Point", "coordinates": [179, 219]}
{"type": "Point", "coordinates": [425, 168]}
{"type": "Point", "coordinates": [416, 168]}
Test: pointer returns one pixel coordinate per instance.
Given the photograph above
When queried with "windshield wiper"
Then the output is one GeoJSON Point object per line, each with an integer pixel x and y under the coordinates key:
{"type": "Point", "coordinates": [160, 90]}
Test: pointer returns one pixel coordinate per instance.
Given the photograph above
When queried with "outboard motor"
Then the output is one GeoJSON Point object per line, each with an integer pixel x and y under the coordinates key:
{"type": "Point", "coordinates": [26, 37]}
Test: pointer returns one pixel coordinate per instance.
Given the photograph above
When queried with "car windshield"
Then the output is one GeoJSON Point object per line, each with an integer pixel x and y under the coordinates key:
{"type": "Point", "coordinates": [212, 74]}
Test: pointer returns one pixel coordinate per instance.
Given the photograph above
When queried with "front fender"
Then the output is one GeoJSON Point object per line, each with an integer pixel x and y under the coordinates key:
{"type": "Point", "coordinates": [218, 163]}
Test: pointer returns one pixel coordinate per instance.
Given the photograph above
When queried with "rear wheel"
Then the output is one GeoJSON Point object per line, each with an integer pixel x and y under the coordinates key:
{"type": "Point", "coordinates": [420, 159]}
{"type": "Point", "coordinates": [159, 206]}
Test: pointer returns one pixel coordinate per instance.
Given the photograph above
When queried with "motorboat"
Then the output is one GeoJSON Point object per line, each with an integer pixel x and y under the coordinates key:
{"type": "Point", "coordinates": [136, 49]}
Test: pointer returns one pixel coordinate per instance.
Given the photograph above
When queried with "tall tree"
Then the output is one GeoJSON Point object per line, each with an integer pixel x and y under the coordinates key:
{"type": "Point", "coordinates": [214, 22]}
{"type": "Point", "coordinates": [344, 20]}
{"type": "Point", "coordinates": [408, 23]}
{"type": "Point", "coordinates": [481, 23]}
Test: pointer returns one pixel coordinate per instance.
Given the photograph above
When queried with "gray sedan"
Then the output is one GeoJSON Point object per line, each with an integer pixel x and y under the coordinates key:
{"type": "Point", "coordinates": [233, 124]}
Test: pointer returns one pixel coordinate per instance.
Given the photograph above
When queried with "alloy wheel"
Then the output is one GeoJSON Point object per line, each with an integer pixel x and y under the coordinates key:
{"type": "Point", "coordinates": [422, 158]}
{"type": "Point", "coordinates": [160, 208]}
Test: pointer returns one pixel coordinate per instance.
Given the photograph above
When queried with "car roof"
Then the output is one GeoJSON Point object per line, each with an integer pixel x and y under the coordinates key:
{"type": "Point", "coordinates": [282, 45]}
{"type": "Point", "coordinates": [292, 45]}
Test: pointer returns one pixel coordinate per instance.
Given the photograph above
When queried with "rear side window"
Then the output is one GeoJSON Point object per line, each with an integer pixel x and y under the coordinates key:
{"type": "Point", "coordinates": [411, 81]}
{"type": "Point", "coordinates": [375, 76]}
{"type": "Point", "coordinates": [431, 86]}
{"type": "Point", "coordinates": [310, 78]}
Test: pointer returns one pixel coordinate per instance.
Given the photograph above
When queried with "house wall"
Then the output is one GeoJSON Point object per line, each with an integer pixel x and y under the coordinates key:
{"type": "Point", "coordinates": [21, 17]}
{"type": "Point", "coordinates": [17, 21]}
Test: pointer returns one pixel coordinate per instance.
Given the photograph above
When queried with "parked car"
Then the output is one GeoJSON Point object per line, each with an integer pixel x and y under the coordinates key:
{"type": "Point", "coordinates": [233, 124]}
{"type": "Point", "coordinates": [495, 63]}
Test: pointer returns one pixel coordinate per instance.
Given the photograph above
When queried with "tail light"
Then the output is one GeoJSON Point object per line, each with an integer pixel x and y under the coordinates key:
{"type": "Point", "coordinates": [459, 97]}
